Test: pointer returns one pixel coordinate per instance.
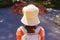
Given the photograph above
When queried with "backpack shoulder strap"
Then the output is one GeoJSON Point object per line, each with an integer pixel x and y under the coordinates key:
{"type": "Point", "coordinates": [38, 29]}
{"type": "Point", "coordinates": [23, 29]}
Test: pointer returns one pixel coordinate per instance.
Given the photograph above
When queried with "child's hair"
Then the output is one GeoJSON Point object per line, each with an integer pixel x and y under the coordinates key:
{"type": "Point", "coordinates": [30, 29]}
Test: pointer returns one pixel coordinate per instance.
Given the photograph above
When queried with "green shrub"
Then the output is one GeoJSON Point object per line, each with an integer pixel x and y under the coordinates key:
{"type": "Point", "coordinates": [5, 3]}
{"type": "Point", "coordinates": [44, 3]}
{"type": "Point", "coordinates": [56, 4]}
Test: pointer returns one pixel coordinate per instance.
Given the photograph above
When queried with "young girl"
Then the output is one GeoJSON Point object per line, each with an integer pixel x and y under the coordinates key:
{"type": "Point", "coordinates": [30, 30]}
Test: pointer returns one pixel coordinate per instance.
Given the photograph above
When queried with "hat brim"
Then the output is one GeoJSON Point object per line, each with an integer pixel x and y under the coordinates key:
{"type": "Point", "coordinates": [30, 22]}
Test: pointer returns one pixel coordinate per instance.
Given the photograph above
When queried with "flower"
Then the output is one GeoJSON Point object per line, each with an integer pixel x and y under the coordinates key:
{"type": "Point", "coordinates": [17, 8]}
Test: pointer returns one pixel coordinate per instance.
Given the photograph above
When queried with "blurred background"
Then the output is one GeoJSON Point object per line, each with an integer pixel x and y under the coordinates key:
{"type": "Point", "coordinates": [47, 3]}
{"type": "Point", "coordinates": [11, 14]}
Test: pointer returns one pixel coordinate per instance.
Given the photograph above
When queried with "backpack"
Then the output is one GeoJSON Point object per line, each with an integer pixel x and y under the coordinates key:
{"type": "Point", "coordinates": [31, 36]}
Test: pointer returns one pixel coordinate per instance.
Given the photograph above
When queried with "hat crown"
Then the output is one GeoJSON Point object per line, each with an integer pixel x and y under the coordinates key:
{"type": "Point", "coordinates": [31, 9]}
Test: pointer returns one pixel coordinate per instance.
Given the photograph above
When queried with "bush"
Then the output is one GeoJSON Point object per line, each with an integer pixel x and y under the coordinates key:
{"type": "Point", "coordinates": [44, 2]}
{"type": "Point", "coordinates": [56, 4]}
{"type": "Point", "coordinates": [17, 8]}
{"type": "Point", "coordinates": [5, 3]}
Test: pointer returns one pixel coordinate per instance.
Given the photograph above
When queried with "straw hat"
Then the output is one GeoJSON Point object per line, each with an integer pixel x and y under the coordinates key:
{"type": "Point", "coordinates": [30, 15]}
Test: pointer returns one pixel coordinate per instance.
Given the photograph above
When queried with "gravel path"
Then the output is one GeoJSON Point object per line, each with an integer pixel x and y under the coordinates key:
{"type": "Point", "coordinates": [9, 22]}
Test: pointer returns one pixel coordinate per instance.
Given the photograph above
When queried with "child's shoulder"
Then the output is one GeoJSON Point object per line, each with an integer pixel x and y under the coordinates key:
{"type": "Point", "coordinates": [22, 28]}
{"type": "Point", "coordinates": [41, 27]}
